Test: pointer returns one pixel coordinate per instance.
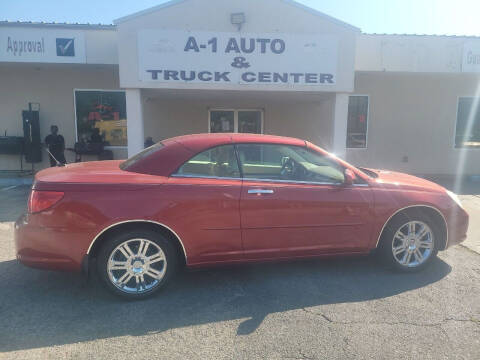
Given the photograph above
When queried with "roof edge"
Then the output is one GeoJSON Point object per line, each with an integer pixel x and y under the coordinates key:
{"type": "Point", "coordinates": [424, 35]}
{"type": "Point", "coordinates": [147, 11]}
{"type": "Point", "coordinates": [289, 2]}
{"type": "Point", "coordinates": [57, 25]}
{"type": "Point", "coordinates": [321, 14]}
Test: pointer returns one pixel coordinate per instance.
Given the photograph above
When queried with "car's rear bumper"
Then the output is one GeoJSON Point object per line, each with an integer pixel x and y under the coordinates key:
{"type": "Point", "coordinates": [46, 247]}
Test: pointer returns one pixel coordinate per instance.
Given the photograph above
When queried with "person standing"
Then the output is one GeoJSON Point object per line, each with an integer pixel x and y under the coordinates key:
{"type": "Point", "coordinates": [148, 142]}
{"type": "Point", "coordinates": [96, 138]}
{"type": "Point", "coordinates": [56, 145]}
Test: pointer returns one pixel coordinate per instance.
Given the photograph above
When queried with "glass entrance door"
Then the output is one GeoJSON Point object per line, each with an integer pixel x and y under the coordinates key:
{"type": "Point", "coordinates": [250, 121]}
{"type": "Point", "coordinates": [222, 121]}
{"type": "Point", "coordinates": [241, 121]}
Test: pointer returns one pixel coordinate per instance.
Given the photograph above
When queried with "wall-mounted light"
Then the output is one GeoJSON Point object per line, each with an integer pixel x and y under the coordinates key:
{"type": "Point", "coordinates": [238, 19]}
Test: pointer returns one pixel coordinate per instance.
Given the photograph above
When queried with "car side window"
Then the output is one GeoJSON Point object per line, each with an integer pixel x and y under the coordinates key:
{"type": "Point", "coordinates": [288, 163]}
{"type": "Point", "coordinates": [219, 162]}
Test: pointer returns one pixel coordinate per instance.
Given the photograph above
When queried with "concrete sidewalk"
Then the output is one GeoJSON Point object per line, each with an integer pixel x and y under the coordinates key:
{"type": "Point", "coordinates": [472, 204]}
{"type": "Point", "coordinates": [15, 178]}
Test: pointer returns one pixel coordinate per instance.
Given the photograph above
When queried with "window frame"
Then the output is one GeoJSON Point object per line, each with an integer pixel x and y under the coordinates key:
{"type": "Point", "coordinates": [75, 113]}
{"type": "Point", "coordinates": [367, 119]}
{"type": "Point", "coordinates": [454, 145]}
{"type": "Point", "coordinates": [287, 181]}
{"type": "Point", "coordinates": [176, 175]}
{"type": "Point", "coordinates": [243, 179]}
{"type": "Point", "coordinates": [235, 117]}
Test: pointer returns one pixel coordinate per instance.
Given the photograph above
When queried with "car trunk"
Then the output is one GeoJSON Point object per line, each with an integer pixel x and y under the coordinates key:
{"type": "Point", "coordinates": [104, 175]}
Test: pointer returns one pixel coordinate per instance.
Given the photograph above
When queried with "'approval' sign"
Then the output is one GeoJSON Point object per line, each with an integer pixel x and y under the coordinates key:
{"type": "Point", "coordinates": [43, 46]}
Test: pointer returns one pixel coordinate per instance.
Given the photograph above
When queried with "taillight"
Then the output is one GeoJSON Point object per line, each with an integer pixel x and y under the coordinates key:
{"type": "Point", "coordinates": [42, 200]}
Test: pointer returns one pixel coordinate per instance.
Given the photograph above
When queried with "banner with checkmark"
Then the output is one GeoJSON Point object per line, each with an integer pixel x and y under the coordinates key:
{"type": "Point", "coordinates": [66, 47]}
{"type": "Point", "coordinates": [42, 45]}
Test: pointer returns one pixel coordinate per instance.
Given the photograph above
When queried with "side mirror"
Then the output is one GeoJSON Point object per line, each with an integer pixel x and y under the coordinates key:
{"type": "Point", "coordinates": [349, 177]}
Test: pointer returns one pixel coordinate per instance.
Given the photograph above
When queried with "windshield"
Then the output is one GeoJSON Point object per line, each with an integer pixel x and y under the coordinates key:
{"type": "Point", "coordinates": [141, 155]}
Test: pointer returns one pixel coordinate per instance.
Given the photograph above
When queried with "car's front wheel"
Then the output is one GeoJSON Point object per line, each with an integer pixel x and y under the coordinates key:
{"type": "Point", "coordinates": [408, 242]}
{"type": "Point", "coordinates": [137, 263]}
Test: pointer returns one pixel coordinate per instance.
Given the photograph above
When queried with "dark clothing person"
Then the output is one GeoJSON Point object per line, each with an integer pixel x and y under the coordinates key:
{"type": "Point", "coordinates": [148, 142]}
{"type": "Point", "coordinates": [56, 146]}
{"type": "Point", "coordinates": [96, 138]}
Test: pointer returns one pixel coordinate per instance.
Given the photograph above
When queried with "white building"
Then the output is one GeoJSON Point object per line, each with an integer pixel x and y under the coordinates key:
{"type": "Point", "coordinates": [402, 102]}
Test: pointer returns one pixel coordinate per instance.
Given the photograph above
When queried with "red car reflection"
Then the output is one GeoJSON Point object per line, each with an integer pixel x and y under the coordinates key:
{"type": "Point", "coordinates": [208, 199]}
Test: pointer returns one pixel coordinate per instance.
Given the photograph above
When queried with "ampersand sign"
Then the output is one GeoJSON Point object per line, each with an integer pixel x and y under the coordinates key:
{"type": "Point", "coordinates": [240, 62]}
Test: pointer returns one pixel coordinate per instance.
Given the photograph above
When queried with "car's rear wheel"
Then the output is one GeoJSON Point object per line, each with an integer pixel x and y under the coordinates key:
{"type": "Point", "coordinates": [408, 242]}
{"type": "Point", "coordinates": [136, 264]}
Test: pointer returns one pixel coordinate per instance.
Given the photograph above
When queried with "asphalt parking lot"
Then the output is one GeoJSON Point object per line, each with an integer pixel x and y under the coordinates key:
{"type": "Point", "coordinates": [335, 309]}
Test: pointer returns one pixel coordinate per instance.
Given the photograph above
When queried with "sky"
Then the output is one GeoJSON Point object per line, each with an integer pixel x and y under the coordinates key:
{"type": "Point", "coordinates": [439, 17]}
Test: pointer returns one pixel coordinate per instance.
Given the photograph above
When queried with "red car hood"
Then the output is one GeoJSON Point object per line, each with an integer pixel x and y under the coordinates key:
{"type": "Point", "coordinates": [393, 179]}
{"type": "Point", "coordinates": [93, 173]}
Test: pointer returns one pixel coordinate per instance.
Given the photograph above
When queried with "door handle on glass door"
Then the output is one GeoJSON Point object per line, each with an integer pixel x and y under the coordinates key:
{"type": "Point", "coordinates": [260, 191]}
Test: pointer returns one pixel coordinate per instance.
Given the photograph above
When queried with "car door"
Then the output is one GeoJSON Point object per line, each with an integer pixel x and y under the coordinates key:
{"type": "Point", "coordinates": [204, 197]}
{"type": "Point", "coordinates": [294, 203]}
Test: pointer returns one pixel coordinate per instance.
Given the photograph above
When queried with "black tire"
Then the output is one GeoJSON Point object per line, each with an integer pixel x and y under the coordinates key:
{"type": "Point", "coordinates": [385, 247]}
{"type": "Point", "coordinates": [112, 244]}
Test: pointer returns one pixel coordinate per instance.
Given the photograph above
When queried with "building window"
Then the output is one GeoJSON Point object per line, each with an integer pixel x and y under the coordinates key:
{"type": "Point", "coordinates": [357, 122]}
{"type": "Point", "coordinates": [102, 110]}
{"type": "Point", "coordinates": [467, 133]}
{"type": "Point", "coordinates": [242, 121]}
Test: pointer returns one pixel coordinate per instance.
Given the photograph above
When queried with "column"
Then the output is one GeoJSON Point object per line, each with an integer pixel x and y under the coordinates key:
{"type": "Point", "coordinates": [135, 126]}
{"type": "Point", "coordinates": [340, 119]}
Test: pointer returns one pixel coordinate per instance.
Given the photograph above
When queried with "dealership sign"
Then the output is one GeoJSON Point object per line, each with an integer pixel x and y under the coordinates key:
{"type": "Point", "coordinates": [172, 56]}
{"type": "Point", "coordinates": [49, 45]}
{"type": "Point", "coordinates": [471, 57]}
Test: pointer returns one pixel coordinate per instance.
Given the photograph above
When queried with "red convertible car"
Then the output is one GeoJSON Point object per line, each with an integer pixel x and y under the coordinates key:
{"type": "Point", "coordinates": [208, 199]}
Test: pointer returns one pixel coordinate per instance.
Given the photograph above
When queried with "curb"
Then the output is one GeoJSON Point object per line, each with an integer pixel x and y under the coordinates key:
{"type": "Point", "coordinates": [15, 181]}
{"type": "Point", "coordinates": [466, 247]}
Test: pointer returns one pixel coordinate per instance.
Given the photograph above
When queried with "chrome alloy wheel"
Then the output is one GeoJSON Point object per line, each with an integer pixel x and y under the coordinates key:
{"type": "Point", "coordinates": [413, 244]}
{"type": "Point", "coordinates": [136, 266]}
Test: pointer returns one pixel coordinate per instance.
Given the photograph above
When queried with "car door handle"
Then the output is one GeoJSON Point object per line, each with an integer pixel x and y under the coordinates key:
{"type": "Point", "coordinates": [260, 191]}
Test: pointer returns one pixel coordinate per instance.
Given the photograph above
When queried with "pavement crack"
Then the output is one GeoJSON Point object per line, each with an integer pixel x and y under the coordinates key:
{"type": "Point", "coordinates": [301, 356]}
{"type": "Point", "coordinates": [327, 318]}
{"type": "Point", "coordinates": [409, 323]}
{"type": "Point", "coordinates": [305, 356]}
{"type": "Point", "coordinates": [472, 319]}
